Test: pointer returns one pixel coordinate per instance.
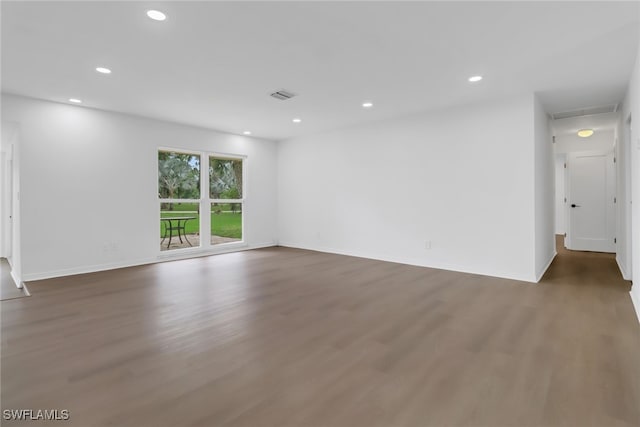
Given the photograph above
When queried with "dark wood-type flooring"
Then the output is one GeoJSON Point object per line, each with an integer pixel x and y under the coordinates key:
{"type": "Point", "coordinates": [285, 337]}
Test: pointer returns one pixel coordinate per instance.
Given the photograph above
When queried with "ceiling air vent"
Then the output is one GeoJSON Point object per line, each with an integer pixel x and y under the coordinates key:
{"type": "Point", "coordinates": [283, 95]}
{"type": "Point", "coordinates": [586, 112]}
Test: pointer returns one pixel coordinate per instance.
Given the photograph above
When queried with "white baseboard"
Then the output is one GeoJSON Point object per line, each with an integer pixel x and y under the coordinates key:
{"type": "Point", "coordinates": [141, 261]}
{"type": "Point", "coordinates": [540, 273]}
{"type": "Point", "coordinates": [407, 261]}
{"type": "Point", "coordinates": [623, 270]}
{"type": "Point", "coordinates": [16, 279]}
{"type": "Point", "coordinates": [636, 304]}
{"type": "Point", "coordinates": [30, 277]}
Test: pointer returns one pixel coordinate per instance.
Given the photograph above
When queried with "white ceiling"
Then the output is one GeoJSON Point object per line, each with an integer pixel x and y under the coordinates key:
{"type": "Point", "coordinates": [213, 64]}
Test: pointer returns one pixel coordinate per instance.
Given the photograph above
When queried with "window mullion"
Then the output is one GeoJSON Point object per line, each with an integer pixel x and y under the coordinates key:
{"type": "Point", "coordinates": [205, 205]}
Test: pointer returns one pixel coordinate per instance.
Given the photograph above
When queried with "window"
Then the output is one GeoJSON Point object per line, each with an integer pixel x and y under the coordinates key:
{"type": "Point", "coordinates": [179, 192]}
{"type": "Point", "coordinates": [225, 192]}
{"type": "Point", "coordinates": [193, 204]}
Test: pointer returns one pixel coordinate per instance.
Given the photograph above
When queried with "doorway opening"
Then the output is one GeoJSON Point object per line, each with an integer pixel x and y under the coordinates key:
{"type": "Point", "coordinates": [11, 284]}
{"type": "Point", "coordinates": [587, 181]}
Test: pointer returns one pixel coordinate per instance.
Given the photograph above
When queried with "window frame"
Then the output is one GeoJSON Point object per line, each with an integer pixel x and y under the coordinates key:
{"type": "Point", "coordinates": [241, 201]}
{"type": "Point", "coordinates": [205, 201]}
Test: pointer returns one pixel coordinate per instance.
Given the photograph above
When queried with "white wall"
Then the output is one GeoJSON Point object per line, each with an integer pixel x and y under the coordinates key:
{"type": "Point", "coordinates": [461, 179]}
{"type": "Point", "coordinates": [545, 245]}
{"type": "Point", "coordinates": [631, 108]}
{"type": "Point", "coordinates": [602, 140]}
{"type": "Point", "coordinates": [89, 178]}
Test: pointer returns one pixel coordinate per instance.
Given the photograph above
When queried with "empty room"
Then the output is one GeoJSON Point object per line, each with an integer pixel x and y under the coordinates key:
{"type": "Point", "coordinates": [328, 214]}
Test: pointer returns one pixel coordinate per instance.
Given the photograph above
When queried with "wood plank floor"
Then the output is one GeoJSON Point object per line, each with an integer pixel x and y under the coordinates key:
{"type": "Point", "coordinates": [285, 337]}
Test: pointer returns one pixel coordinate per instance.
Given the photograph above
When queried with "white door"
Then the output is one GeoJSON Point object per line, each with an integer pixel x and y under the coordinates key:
{"type": "Point", "coordinates": [590, 202]}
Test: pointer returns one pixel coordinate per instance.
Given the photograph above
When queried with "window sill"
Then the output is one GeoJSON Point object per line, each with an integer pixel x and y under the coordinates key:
{"type": "Point", "coordinates": [221, 248]}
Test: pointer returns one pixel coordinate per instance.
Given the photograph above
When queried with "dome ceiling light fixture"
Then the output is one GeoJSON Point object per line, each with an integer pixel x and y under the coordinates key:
{"type": "Point", "coordinates": [585, 133]}
{"type": "Point", "coordinates": [156, 15]}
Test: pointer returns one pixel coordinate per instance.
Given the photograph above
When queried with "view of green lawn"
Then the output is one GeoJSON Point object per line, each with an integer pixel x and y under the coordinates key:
{"type": "Point", "coordinates": [224, 224]}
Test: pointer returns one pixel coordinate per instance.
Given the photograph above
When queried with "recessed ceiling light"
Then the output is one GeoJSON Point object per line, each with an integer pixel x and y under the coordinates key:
{"type": "Point", "coordinates": [246, 132]}
{"type": "Point", "coordinates": [156, 15]}
{"type": "Point", "coordinates": [585, 133]}
{"type": "Point", "coordinates": [297, 120]}
{"type": "Point", "coordinates": [75, 100]}
{"type": "Point", "coordinates": [367, 104]}
{"type": "Point", "coordinates": [475, 79]}
{"type": "Point", "coordinates": [103, 70]}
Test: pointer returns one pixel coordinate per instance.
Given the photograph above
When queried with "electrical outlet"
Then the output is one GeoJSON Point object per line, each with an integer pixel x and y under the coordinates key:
{"type": "Point", "coordinates": [110, 247]}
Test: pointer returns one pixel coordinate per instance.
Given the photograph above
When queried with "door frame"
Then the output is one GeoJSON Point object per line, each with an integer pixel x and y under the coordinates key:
{"type": "Point", "coordinates": [6, 203]}
{"type": "Point", "coordinates": [561, 193]}
{"type": "Point", "coordinates": [624, 214]}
